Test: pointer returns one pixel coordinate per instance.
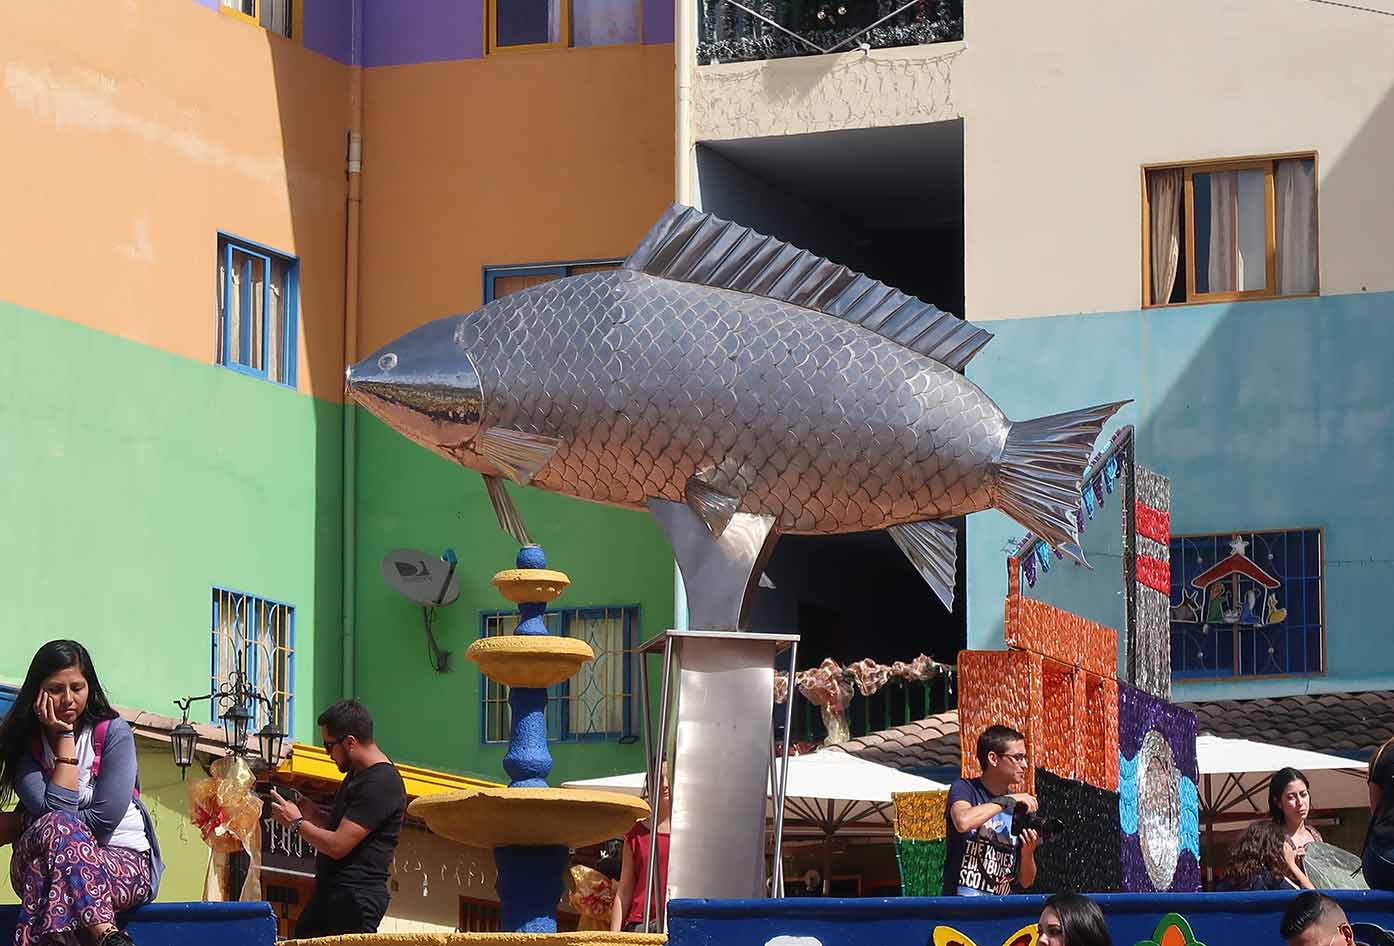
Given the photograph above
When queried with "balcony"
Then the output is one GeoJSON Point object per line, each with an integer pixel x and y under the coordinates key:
{"type": "Point", "coordinates": [895, 704]}
{"type": "Point", "coordinates": [748, 30]}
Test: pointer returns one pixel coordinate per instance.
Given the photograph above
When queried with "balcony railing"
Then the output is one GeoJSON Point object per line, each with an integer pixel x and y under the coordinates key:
{"type": "Point", "coordinates": [744, 30]}
{"type": "Point", "coordinates": [894, 704]}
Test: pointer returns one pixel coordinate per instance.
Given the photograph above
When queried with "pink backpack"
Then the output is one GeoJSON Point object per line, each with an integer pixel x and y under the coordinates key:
{"type": "Point", "coordinates": [99, 732]}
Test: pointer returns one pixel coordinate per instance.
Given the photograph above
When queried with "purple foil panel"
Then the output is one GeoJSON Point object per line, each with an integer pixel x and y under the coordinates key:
{"type": "Point", "coordinates": [401, 32]}
{"type": "Point", "coordinates": [1135, 879]}
{"type": "Point", "coordinates": [1140, 712]}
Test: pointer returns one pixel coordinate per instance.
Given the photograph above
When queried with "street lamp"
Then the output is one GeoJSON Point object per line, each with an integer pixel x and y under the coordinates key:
{"type": "Point", "coordinates": [239, 696]}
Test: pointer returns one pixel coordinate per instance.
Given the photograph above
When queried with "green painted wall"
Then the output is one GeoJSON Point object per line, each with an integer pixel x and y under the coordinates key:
{"type": "Point", "coordinates": [409, 497]}
{"type": "Point", "coordinates": [132, 482]}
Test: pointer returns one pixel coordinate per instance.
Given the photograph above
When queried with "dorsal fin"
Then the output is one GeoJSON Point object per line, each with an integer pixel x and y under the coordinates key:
{"type": "Point", "coordinates": [690, 246]}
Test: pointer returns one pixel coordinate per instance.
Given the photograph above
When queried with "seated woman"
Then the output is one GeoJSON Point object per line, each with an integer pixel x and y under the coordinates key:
{"type": "Point", "coordinates": [1289, 804]}
{"type": "Point", "coordinates": [1071, 919]}
{"type": "Point", "coordinates": [1258, 860]}
{"type": "Point", "coordinates": [1378, 861]}
{"type": "Point", "coordinates": [84, 846]}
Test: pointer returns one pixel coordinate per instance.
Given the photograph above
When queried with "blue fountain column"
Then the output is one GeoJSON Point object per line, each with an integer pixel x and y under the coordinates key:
{"type": "Point", "coordinates": [530, 879]}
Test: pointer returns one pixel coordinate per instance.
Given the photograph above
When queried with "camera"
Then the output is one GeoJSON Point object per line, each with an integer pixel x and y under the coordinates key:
{"type": "Point", "coordinates": [1024, 819]}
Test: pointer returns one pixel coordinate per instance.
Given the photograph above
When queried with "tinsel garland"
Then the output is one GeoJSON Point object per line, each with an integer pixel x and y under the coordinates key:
{"type": "Point", "coordinates": [921, 867]}
{"type": "Point", "coordinates": [729, 34]}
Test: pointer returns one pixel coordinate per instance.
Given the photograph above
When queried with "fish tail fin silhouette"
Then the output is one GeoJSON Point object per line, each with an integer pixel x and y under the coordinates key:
{"type": "Point", "coordinates": [1040, 469]}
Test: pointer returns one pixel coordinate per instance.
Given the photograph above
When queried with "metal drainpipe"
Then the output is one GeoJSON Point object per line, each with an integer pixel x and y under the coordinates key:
{"type": "Point", "coordinates": [684, 49]}
{"type": "Point", "coordinates": [351, 276]}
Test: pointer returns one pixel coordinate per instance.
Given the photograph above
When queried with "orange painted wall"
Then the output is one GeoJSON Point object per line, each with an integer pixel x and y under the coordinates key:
{"type": "Point", "coordinates": [514, 158]}
{"type": "Point", "coordinates": [132, 133]}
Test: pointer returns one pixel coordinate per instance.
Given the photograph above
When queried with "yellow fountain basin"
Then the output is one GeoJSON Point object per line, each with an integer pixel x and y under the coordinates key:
{"type": "Point", "coordinates": [496, 817]}
{"type": "Point", "coordinates": [530, 661]}
{"type": "Point", "coordinates": [583, 938]}
{"type": "Point", "coordinates": [530, 584]}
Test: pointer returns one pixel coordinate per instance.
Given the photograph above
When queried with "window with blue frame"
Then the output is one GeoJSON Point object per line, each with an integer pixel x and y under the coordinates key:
{"type": "Point", "coordinates": [500, 281]}
{"type": "Point", "coordinates": [597, 703]}
{"type": "Point", "coordinates": [7, 698]}
{"type": "Point", "coordinates": [256, 635]}
{"type": "Point", "coordinates": [258, 292]}
{"type": "Point", "coordinates": [1248, 604]}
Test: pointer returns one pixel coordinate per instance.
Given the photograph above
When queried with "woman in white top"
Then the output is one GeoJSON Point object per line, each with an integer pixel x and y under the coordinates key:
{"type": "Point", "coordinates": [84, 847]}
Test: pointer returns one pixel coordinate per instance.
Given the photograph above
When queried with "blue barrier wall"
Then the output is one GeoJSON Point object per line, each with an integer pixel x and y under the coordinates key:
{"type": "Point", "coordinates": [185, 924]}
{"type": "Point", "coordinates": [1215, 919]}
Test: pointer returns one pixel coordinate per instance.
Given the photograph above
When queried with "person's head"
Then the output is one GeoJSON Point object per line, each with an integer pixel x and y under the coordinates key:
{"type": "Point", "coordinates": [1259, 850]}
{"type": "Point", "coordinates": [1289, 797]}
{"type": "Point", "coordinates": [1071, 919]}
{"type": "Point", "coordinates": [1002, 754]}
{"type": "Point", "coordinates": [665, 790]}
{"type": "Point", "coordinates": [61, 671]}
{"type": "Point", "coordinates": [1314, 919]}
{"type": "Point", "coordinates": [346, 729]}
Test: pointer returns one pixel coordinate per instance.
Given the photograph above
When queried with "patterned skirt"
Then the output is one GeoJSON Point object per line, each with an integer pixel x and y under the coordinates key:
{"type": "Point", "coordinates": [67, 882]}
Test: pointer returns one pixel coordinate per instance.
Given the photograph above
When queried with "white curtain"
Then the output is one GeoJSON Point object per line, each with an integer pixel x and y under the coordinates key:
{"type": "Point", "coordinates": [604, 22]}
{"type": "Point", "coordinates": [275, 16]}
{"type": "Point", "coordinates": [247, 7]}
{"type": "Point", "coordinates": [276, 367]}
{"type": "Point", "coordinates": [258, 310]}
{"type": "Point", "coordinates": [1295, 199]}
{"type": "Point", "coordinates": [597, 690]}
{"type": "Point", "coordinates": [232, 311]}
{"type": "Point", "coordinates": [1224, 232]}
{"type": "Point", "coordinates": [1238, 241]}
{"type": "Point", "coordinates": [1164, 197]}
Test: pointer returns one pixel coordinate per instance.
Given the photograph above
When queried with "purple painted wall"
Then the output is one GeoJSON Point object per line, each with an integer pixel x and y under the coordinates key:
{"type": "Point", "coordinates": [658, 21]}
{"type": "Point", "coordinates": [402, 32]}
{"type": "Point", "coordinates": [329, 28]}
{"type": "Point", "coordinates": [399, 32]}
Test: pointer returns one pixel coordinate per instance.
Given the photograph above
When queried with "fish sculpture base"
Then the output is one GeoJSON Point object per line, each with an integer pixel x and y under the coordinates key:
{"type": "Point", "coordinates": [719, 572]}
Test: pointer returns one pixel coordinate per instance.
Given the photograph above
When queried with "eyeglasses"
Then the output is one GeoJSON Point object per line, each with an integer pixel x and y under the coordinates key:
{"type": "Point", "coordinates": [329, 744]}
{"type": "Point", "coordinates": [1018, 757]}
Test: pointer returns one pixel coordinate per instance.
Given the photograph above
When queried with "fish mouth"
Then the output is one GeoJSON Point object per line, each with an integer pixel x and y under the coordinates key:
{"type": "Point", "coordinates": [433, 396]}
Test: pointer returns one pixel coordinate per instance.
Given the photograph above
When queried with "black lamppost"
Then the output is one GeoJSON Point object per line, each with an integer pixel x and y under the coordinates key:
{"type": "Point", "coordinates": [239, 696]}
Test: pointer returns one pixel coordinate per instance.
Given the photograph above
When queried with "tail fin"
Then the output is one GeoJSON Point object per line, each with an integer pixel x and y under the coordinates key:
{"type": "Point", "coordinates": [1039, 472]}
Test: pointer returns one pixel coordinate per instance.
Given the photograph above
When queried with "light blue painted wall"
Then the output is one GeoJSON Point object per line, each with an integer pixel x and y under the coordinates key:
{"type": "Point", "coordinates": [1264, 414]}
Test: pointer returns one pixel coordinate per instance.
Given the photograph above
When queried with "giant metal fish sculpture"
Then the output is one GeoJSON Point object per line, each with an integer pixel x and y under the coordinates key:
{"type": "Point", "coordinates": [740, 375]}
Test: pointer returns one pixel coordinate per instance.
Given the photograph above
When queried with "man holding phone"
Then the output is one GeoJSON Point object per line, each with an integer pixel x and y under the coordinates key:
{"type": "Point", "coordinates": [355, 841]}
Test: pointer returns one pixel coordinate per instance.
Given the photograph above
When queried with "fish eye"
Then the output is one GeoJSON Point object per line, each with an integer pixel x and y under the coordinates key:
{"type": "Point", "coordinates": [387, 362]}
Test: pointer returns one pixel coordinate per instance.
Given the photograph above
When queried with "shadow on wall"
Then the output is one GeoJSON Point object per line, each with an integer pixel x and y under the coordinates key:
{"type": "Point", "coordinates": [1272, 414]}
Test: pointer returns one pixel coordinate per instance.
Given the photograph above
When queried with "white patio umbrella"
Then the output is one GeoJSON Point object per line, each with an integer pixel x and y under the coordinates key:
{"type": "Point", "coordinates": [1235, 773]}
{"type": "Point", "coordinates": [829, 793]}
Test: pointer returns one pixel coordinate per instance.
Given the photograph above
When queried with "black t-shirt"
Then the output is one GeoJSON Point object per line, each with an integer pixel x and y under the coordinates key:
{"type": "Point", "coordinates": [376, 799]}
{"type": "Point", "coordinates": [980, 862]}
{"type": "Point", "coordinates": [1382, 818]}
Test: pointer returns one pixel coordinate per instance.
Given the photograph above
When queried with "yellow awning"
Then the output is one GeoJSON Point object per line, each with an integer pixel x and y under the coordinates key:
{"type": "Point", "coordinates": [305, 761]}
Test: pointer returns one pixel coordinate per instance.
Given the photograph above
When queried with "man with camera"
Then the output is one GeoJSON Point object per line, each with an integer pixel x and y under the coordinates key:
{"type": "Point", "coordinates": [992, 835]}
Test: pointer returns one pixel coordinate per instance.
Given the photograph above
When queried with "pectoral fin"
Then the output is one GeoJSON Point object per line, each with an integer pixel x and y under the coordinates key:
{"type": "Point", "coordinates": [714, 506]}
{"type": "Point", "coordinates": [510, 519]}
{"type": "Point", "coordinates": [517, 453]}
{"type": "Point", "coordinates": [932, 547]}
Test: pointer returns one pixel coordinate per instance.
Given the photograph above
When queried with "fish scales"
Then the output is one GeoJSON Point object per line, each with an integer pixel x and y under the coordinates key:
{"type": "Point", "coordinates": [817, 422]}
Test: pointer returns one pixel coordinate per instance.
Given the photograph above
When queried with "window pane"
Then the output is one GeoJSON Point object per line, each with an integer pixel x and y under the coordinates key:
{"type": "Point", "coordinates": [507, 285]}
{"type": "Point", "coordinates": [245, 7]}
{"type": "Point", "coordinates": [604, 22]}
{"type": "Point", "coordinates": [523, 22]}
{"type": "Point", "coordinates": [1295, 207]}
{"type": "Point", "coordinates": [1231, 233]}
{"type": "Point", "coordinates": [276, 327]}
{"type": "Point", "coordinates": [275, 16]}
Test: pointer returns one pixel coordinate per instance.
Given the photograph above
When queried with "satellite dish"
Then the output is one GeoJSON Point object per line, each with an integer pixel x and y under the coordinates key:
{"type": "Point", "coordinates": [425, 579]}
{"type": "Point", "coordinates": [431, 583]}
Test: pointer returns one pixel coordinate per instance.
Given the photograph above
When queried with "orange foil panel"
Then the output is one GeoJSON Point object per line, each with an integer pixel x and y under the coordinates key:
{"type": "Point", "coordinates": [1000, 687]}
{"type": "Point", "coordinates": [1060, 741]}
{"type": "Point", "coordinates": [1099, 742]}
{"type": "Point", "coordinates": [1040, 628]}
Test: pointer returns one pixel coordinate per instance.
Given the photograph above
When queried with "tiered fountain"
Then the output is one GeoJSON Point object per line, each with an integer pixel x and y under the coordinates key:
{"type": "Point", "coordinates": [530, 827]}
